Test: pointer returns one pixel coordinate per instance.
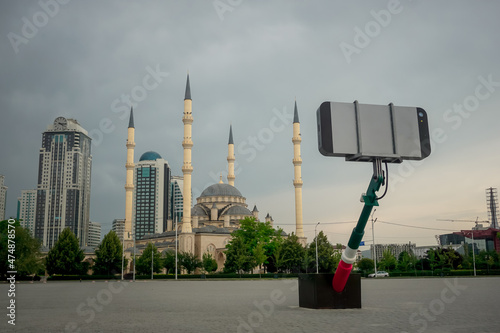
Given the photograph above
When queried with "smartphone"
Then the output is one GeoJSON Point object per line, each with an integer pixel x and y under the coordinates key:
{"type": "Point", "coordinates": [365, 132]}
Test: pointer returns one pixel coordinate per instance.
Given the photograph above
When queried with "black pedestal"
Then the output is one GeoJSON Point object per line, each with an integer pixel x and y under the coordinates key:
{"type": "Point", "coordinates": [316, 292]}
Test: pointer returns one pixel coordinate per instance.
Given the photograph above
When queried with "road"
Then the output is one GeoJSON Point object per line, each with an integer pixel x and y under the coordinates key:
{"type": "Point", "coordinates": [388, 305]}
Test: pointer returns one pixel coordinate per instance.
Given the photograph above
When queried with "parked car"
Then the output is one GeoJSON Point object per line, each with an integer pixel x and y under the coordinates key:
{"type": "Point", "coordinates": [379, 274]}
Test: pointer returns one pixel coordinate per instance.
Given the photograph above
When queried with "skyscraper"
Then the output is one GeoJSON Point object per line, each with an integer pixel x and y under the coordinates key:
{"type": "Point", "coordinates": [151, 195]}
{"type": "Point", "coordinates": [94, 234]}
{"type": "Point", "coordinates": [26, 209]}
{"type": "Point", "coordinates": [118, 227]}
{"type": "Point", "coordinates": [3, 197]}
{"type": "Point", "coordinates": [63, 191]}
{"type": "Point", "coordinates": [176, 201]}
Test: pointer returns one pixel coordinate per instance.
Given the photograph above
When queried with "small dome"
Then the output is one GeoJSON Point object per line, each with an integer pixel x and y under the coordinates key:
{"type": "Point", "coordinates": [238, 210]}
{"type": "Point", "coordinates": [198, 211]}
{"type": "Point", "coordinates": [221, 190]}
{"type": "Point", "coordinates": [150, 156]}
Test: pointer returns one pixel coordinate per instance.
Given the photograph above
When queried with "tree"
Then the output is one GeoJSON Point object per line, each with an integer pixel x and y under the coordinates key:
{"type": "Point", "coordinates": [274, 252]}
{"type": "Point", "coordinates": [109, 255]}
{"type": "Point", "coordinates": [143, 263]}
{"type": "Point", "coordinates": [366, 264]}
{"type": "Point", "coordinates": [307, 261]}
{"type": "Point", "coordinates": [189, 261]}
{"type": "Point", "coordinates": [208, 263]}
{"type": "Point", "coordinates": [293, 253]}
{"type": "Point", "coordinates": [240, 253]}
{"type": "Point", "coordinates": [452, 258]}
{"type": "Point", "coordinates": [259, 254]}
{"type": "Point", "coordinates": [434, 259]}
{"type": "Point", "coordinates": [26, 250]}
{"type": "Point", "coordinates": [169, 260]}
{"type": "Point", "coordinates": [325, 254]}
{"type": "Point", "coordinates": [66, 257]}
{"type": "Point", "coordinates": [404, 261]}
{"type": "Point", "coordinates": [238, 257]}
{"type": "Point", "coordinates": [388, 261]}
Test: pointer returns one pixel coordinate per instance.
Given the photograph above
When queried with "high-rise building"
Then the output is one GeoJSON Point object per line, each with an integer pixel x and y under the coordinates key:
{"type": "Point", "coordinates": [3, 197]}
{"type": "Point", "coordinates": [394, 249]}
{"type": "Point", "coordinates": [26, 209]}
{"type": "Point", "coordinates": [118, 227]}
{"type": "Point", "coordinates": [176, 201]}
{"type": "Point", "coordinates": [151, 195]}
{"type": "Point", "coordinates": [94, 234]}
{"type": "Point", "coordinates": [63, 191]}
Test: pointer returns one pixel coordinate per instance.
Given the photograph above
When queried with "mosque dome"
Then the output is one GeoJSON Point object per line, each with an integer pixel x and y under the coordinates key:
{"type": "Point", "coordinates": [238, 210]}
{"type": "Point", "coordinates": [150, 156]}
{"type": "Point", "coordinates": [225, 190]}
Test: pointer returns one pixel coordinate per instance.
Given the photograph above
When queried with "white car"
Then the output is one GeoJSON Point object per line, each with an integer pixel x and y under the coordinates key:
{"type": "Point", "coordinates": [379, 274]}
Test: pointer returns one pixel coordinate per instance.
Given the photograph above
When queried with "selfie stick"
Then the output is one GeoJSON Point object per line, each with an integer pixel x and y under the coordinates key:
{"type": "Point", "coordinates": [349, 255]}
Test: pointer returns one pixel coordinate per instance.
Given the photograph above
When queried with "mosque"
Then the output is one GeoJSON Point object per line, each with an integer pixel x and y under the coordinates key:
{"type": "Point", "coordinates": [207, 225]}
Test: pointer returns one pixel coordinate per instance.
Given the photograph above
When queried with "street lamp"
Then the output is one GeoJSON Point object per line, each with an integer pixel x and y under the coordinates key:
{"type": "Point", "coordinates": [473, 252]}
{"type": "Point", "coordinates": [123, 251]}
{"type": "Point", "coordinates": [175, 217]}
{"type": "Point", "coordinates": [133, 235]}
{"type": "Point", "coordinates": [317, 269]}
{"type": "Point", "coordinates": [151, 260]}
{"type": "Point", "coordinates": [373, 238]}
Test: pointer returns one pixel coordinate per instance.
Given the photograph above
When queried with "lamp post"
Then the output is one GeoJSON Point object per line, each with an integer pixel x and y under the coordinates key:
{"type": "Point", "coordinates": [151, 260]}
{"type": "Point", "coordinates": [473, 252]}
{"type": "Point", "coordinates": [133, 235]}
{"type": "Point", "coordinates": [316, 236]}
{"type": "Point", "coordinates": [175, 217]}
{"type": "Point", "coordinates": [123, 251]}
{"type": "Point", "coordinates": [373, 238]}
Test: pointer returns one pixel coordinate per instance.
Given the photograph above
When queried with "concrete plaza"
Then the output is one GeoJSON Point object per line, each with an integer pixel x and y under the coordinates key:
{"type": "Point", "coordinates": [388, 305]}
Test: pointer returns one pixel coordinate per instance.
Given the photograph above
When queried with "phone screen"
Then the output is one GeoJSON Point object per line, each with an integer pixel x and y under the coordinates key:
{"type": "Point", "coordinates": [363, 132]}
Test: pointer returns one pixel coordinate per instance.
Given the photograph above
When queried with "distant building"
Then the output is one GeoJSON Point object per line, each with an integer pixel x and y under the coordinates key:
{"type": "Point", "coordinates": [94, 235]}
{"type": "Point", "coordinates": [485, 239]}
{"type": "Point", "coordinates": [395, 249]}
{"type": "Point", "coordinates": [3, 197]}
{"type": "Point", "coordinates": [118, 227]}
{"type": "Point", "coordinates": [421, 251]}
{"type": "Point", "coordinates": [26, 209]}
{"type": "Point", "coordinates": [151, 195]}
{"type": "Point", "coordinates": [176, 198]}
{"type": "Point", "coordinates": [63, 191]}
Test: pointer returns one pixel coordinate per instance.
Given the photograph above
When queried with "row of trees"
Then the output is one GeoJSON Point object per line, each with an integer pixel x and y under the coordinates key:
{"type": "Point", "coordinates": [258, 244]}
{"type": "Point", "coordinates": [254, 244]}
{"type": "Point", "coordinates": [67, 258]}
{"type": "Point", "coordinates": [440, 258]}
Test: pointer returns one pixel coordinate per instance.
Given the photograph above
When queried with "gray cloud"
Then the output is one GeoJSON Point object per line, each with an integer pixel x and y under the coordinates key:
{"type": "Point", "coordinates": [259, 58]}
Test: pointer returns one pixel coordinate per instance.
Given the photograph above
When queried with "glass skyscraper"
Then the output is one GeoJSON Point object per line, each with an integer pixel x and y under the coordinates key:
{"type": "Point", "coordinates": [63, 191]}
{"type": "Point", "coordinates": [151, 195]}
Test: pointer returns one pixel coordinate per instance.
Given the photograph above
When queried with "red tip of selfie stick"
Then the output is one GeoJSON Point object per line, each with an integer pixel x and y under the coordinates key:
{"type": "Point", "coordinates": [341, 276]}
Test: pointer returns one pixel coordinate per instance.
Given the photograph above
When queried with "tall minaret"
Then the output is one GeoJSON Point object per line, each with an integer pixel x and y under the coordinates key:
{"type": "Point", "coordinates": [230, 158]}
{"type": "Point", "coordinates": [129, 184]}
{"type": "Point", "coordinates": [187, 168]}
{"type": "Point", "coordinates": [297, 181]}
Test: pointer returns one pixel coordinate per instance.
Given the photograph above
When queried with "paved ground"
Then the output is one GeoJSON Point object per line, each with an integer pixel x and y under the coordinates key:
{"type": "Point", "coordinates": [389, 305]}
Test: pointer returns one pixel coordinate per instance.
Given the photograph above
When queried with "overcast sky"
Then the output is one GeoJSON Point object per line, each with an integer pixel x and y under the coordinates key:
{"type": "Point", "coordinates": [248, 61]}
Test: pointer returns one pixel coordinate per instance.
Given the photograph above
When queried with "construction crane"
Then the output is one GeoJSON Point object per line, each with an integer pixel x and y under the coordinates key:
{"type": "Point", "coordinates": [475, 221]}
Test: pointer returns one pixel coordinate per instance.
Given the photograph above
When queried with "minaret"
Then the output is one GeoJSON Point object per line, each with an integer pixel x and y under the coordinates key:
{"type": "Point", "coordinates": [297, 181]}
{"type": "Point", "coordinates": [187, 168]}
{"type": "Point", "coordinates": [129, 183]}
{"type": "Point", "coordinates": [230, 158]}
